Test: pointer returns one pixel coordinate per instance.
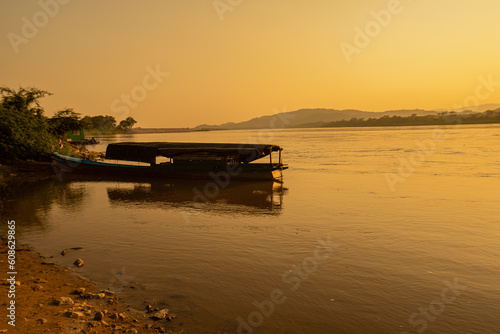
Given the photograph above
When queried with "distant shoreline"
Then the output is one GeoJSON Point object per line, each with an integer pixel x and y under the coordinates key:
{"type": "Point", "coordinates": [159, 130]}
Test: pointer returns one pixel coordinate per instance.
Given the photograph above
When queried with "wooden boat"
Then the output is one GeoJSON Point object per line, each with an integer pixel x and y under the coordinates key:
{"type": "Point", "coordinates": [219, 162]}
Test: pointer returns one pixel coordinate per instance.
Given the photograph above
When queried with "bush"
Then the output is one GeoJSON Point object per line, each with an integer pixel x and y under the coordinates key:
{"type": "Point", "coordinates": [24, 130]}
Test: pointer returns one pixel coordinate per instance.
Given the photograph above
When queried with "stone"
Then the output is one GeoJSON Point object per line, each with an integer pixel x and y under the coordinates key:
{"type": "Point", "coordinates": [93, 323]}
{"type": "Point", "coordinates": [149, 308]}
{"type": "Point", "coordinates": [160, 315]}
{"type": "Point", "coordinates": [109, 293]}
{"type": "Point", "coordinates": [37, 287]}
{"type": "Point", "coordinates": [90, 295]}
{"type": "Point", "coordinates": [132, 331]}
{"type": "Point", "coordinates": [99, 316]}
{"type": "Point", "coordinates": [75, 315]}
{"type": "Point", "coordinates": [6, 282]}
{"type": "Point", "coordinates": [78, 262]}
{"type": "Point", "coordinates": [64, 252]}
{"type": "Point", "coordinates": [114, 316]}
{"type": "Point", "coordinates": [41, 280]}
{"type": "Point", "coordinates": [42, 320]}
{"type": "Point", "coordinates": [122, 316]}
{"type": "Point", "coordinates": [79, 291]}
{"type": "Point", "coordinates": [101, 295]}
{"type": "Point", "coordinates": [65, 301]}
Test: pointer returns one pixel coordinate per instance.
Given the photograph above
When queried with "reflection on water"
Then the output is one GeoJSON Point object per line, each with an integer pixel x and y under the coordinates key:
{"type": "Point", "coordinates": [251, 198]}
{"type": "Point", "coordinates": [30, 202]}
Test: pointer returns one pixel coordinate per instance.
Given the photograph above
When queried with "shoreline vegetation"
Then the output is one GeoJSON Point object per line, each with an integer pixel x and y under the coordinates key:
{"type": "Point", "coordinates": [27, 134]}
{"type": "Point", "coordinates": [444, 118]}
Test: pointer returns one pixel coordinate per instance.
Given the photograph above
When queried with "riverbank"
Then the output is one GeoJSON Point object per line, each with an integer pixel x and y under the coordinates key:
{"type": "Point", "coordinates": [25, 172]}
{"type": "Point", "coordinates": [52, 299]}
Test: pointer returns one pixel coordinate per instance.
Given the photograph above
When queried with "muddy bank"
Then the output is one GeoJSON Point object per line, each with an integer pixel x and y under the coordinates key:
{"type": "Point", "coordinates": [26, 172]}
{"type": "Point", "coordinates": [52, 299]}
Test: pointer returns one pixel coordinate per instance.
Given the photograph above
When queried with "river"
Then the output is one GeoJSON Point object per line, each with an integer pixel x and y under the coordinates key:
{"type": "Point", "coordinates": [373, 230]}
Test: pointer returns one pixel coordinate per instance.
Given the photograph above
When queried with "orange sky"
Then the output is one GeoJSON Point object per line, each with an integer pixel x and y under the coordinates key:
{"type": "Point", "coordinates": [184, 63]}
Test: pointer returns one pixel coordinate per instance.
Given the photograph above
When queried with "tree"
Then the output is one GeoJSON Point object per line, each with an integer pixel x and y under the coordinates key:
{"type": "Point", "coordinates": [65, 120]}
{"type": "Point", "coordinates": [103, 123]}
{"type": "Point", "coordinates": [24, 130]}
{"type": "Point", "coordinates": [87, 122]}
{"type": "Point", "coordinates": [23, 100]}
{"type": "Point", "coordinates": [127, 123]}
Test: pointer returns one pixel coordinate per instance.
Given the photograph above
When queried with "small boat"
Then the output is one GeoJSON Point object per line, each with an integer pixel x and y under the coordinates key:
{"type": "Point", "coordinates": [219, 162]}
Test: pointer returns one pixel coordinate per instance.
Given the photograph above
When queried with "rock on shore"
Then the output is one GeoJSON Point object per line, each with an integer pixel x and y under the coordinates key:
{"type": "Point", "coordinates": [52, 299]}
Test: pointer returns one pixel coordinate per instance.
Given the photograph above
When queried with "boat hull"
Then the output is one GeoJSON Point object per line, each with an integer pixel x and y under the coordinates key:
{"type": "Point", "coordinates": [254, 171]}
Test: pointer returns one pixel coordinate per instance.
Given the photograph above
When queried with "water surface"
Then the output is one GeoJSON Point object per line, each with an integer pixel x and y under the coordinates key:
{"type": "Point", "coordinates": [406, 213]}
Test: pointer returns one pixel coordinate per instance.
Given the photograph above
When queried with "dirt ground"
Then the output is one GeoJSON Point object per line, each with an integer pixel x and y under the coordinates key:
{"type": "Point", "coordinates": [51, 299]}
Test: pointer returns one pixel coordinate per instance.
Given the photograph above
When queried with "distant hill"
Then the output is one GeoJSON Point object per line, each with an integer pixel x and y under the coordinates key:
{"type": "Point", "coordinates": [481, 108]}
{"type": "Point", "coordinates": [319, 117]}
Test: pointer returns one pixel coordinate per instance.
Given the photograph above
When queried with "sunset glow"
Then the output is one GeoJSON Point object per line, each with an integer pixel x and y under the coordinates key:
{"type": "Point", "coordinates": [182, 64]}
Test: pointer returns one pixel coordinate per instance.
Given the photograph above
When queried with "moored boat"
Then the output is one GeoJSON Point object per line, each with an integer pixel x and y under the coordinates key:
{"type": "Point", "coordinates": [182, 160]}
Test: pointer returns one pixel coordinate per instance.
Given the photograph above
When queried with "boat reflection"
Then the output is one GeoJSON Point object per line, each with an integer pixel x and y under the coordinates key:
{"type": "Point", "coordinates": [254, 198]}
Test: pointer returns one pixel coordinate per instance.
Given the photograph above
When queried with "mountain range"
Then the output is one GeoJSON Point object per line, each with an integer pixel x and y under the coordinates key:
{"type": "Point", "coordinates": [318, 117]}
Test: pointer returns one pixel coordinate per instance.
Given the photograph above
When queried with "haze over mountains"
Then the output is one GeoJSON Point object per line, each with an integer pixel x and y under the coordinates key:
{"type": "Point", "coordinates": [318, 117]}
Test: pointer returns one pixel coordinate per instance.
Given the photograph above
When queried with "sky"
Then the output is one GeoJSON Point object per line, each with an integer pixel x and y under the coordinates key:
{"type": "Point", "coordinates": [185, 63]}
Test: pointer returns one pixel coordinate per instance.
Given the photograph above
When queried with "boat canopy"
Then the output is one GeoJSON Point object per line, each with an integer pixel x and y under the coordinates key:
{"type": "Point", "coordinates": [147, 152]}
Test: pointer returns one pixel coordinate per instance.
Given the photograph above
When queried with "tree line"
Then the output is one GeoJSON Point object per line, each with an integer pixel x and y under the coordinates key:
{"type": "Point", "coordinates": [27, 134]}
{"type": "Point", "coordinates": [444, 118]}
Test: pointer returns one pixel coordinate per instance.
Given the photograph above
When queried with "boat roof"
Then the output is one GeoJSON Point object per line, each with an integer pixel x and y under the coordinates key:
{"type": "Point", "coordinates": [147, 152]}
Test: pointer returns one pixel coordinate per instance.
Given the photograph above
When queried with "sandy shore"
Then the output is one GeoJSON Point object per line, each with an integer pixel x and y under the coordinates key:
{"type": "Point", "coordinates": [52, 299]}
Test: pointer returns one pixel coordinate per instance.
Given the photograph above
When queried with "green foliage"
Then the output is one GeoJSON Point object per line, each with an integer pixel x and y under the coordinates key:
{"type": "Point", "coordinates": [64, 121]}
{"type": "Point", "coordinates": [26, 134]}
{"type": "Point", "coordinates": [104, 123]}
{"type": "Point", "coordinates": [24, 130]}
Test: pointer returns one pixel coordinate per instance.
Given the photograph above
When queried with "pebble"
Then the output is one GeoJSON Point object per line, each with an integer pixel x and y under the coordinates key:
{"type": "Point", "coordinates": [78, 262]}
{"type": "Point", "coordinates": [65, 301]}
{"type": "Point", "coordinates": [76, 315]}
{"type": "Point", "coordinates": [160, 315]}
{"type": "Point", "coordinates": [99, 316]}
{"type": "Point", "coordinates": [109, 293]}
{"type": "Point", "coordinates": [64, 252]}
{"type": "Point", "coordinates": [17, 283]}
{"type": "Point", "coordinates": [42, 320]}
